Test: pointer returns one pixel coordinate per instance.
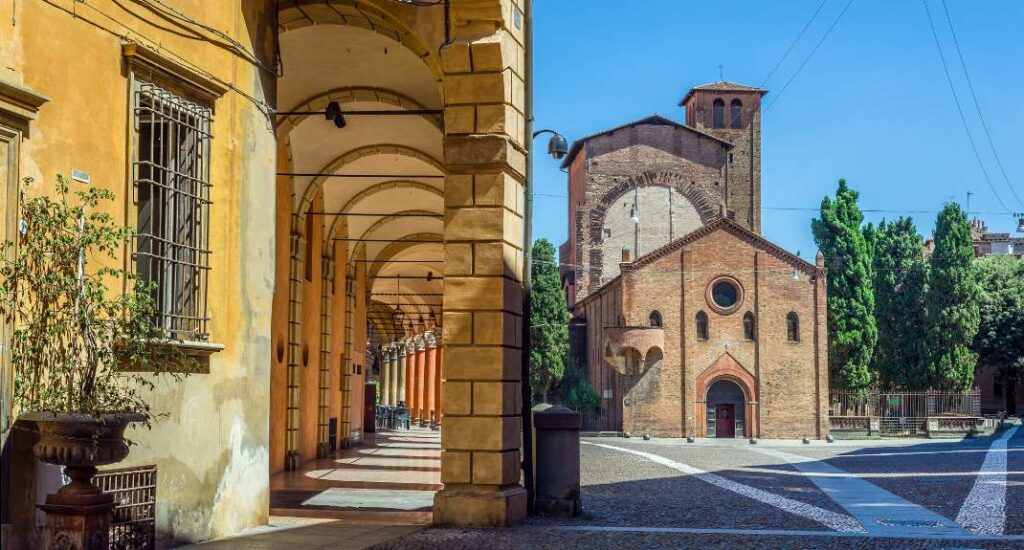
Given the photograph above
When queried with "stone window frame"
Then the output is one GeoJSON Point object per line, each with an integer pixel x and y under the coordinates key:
{"type": "Point", "coordinates": [718, 113]}
{"type": "Point", "coordinates": [749, 326]}
{"type": "Point", "coordinates": [146, 66]}
{"type": "Point", "coordinates": [792, 327]}
{"type": "Point", "coordinates": [702, 326]}
{"type": "Point", "coordinates": [736, 114]}
{"type": "Point", "coordinates": [710, 299]}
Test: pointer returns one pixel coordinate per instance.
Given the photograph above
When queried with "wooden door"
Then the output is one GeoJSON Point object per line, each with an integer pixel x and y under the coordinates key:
{"type": "Point", "coordinates": [725, 420]}
{"type": "Point", "coordinates": [370, 408]}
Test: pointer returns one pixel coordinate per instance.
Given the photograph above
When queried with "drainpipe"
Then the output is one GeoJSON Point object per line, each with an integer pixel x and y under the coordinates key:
{"type": "Point", "coordinates": [527, 262]}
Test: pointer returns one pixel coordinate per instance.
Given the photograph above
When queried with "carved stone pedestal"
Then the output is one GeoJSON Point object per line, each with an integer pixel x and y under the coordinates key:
{"type": "Point", "coordinates": [77, 515]}
{"type": "Point", "coordinates": [77, 527]}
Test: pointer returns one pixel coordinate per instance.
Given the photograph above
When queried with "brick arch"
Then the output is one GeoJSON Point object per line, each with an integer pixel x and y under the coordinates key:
{"type": "Point", "coordinates": [702, 201]}
{"type": "Point", "coordinates": [728, 368]}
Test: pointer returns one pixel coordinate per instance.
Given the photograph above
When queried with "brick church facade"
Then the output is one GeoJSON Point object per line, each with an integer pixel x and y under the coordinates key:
{"type": "Point", "coordinates": [688, 322]}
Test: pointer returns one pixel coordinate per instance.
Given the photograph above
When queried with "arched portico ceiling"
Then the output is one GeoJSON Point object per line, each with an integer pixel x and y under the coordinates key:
{"type": "Point", "coordinates": [353, 98]}
{"type": "Point", "coordinates": [387, 158]}
{"type": "Point", "coordinates": [337, 43]}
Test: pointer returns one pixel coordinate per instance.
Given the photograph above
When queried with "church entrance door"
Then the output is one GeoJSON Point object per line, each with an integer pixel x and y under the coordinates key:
{"type": "Point", "coordinates": [725, 415]}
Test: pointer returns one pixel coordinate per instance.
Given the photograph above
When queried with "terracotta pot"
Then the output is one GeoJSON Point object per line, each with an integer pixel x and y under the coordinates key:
{"type": "Point", "coordinates": [80, 443]}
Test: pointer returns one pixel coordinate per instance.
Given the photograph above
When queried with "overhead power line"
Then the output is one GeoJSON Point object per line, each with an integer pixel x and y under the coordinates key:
{"type": "Point", "coordinates": [793, 43]}
{"type": "Point", "coordinates": [811, 54]}
{"type": "Point", "coordinates": [977, 106]}
{"type": "Point", "coordinates": [959, 108]}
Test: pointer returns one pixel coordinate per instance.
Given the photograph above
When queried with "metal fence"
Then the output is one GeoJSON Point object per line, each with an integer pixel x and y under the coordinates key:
{"type": "Point", "coordinates": [133, 525]}
{"type": "Point", "coordinates": [905, 404]}
{"type": "Point", "coordinates": [590, 415]}
{"type": "Point", "coordinates": [902, 413]}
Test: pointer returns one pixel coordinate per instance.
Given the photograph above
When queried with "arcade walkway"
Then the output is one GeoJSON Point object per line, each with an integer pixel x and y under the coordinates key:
{"type": "Point", "coordinates": [390, 479]}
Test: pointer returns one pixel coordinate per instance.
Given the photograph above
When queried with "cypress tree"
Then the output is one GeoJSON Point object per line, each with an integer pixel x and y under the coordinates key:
{"type": "Point", "coordinates": [549, 321]}
{"type": "Point", "coordinates": [952, 303]}
{"type": "Point", "coordinates": [851, 303]}
{"type": "Point", "coordinates": [900, 274]}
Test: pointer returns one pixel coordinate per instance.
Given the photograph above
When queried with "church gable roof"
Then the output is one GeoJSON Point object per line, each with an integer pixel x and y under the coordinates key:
{"type": "Point", "coordinates": [732, 226]}
{"type": "Point", "coordinates": [652, 120]}
{"type": "Point", "coordinates": [722, 86]}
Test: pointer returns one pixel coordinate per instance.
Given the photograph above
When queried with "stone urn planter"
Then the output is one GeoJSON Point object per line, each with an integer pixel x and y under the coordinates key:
{"type": "Point", "coordinates": [78, 514]}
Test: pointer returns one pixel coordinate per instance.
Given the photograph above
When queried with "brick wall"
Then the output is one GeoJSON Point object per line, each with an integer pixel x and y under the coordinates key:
{"type": "Point", "coordinates": [789, 397]}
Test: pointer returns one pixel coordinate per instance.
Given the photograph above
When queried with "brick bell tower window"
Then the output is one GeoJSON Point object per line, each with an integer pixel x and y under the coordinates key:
{"type": "Point", "coordinates": [735, 114]}
{"type": "Point", "coordinates": [718, 113]}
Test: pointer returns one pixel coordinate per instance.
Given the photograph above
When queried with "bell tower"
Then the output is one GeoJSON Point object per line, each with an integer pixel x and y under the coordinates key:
{"type": "Point", "coordinates": [732, 112]}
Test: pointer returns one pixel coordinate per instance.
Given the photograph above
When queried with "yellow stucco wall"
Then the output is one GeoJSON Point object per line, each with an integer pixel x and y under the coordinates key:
{"type": "Point", "coordinates": [212, 448]}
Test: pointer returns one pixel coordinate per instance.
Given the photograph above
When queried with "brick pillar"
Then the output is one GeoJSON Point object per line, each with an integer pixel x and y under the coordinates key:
{"type": "Point", "coordinates": [385, 377]}
{"type": "Point", "coordinates": [430, 380]}
{"type": "Point", "coordinates": [410, 377]}
{"type": "Point", "coordinates": [421, 381]}
{"type": "Point", "coordinates": [485, 161]}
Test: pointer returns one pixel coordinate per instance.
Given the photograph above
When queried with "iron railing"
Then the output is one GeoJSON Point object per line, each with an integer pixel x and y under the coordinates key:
{"type": "Point", "coordinates": [133, 521]}
{"type": "Point", "coordinates": [905, 404]}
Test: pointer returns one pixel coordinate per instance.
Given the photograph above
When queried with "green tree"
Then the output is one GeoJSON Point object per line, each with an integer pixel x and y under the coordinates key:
{"type": "Point", "coordinates": [549, 322]}
{"type": "Point", "coordinates": [851, 302]}
{"type": "Point", "coordinates": [951, 303]}
{"type": "Point", "coordinates": [900, 273]}
{"type": "Point", "coordinates": [575, 390]}
{"type": "Point", "coordinates": [1000, 339]}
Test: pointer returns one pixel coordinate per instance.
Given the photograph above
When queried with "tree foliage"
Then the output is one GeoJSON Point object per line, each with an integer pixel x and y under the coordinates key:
{"type": "Point", "coordinates": [549, 322]}
{"type": "Point", "coordinates": [900, 273]}
{"type": "Point", "coordinates": [82, 330]}
{"type": "Point", "coordinates": [851, 323]}
{"type": "Point", "coordinates": [951, 303]}
{"type": "Point", "coordinates": [999, 342]}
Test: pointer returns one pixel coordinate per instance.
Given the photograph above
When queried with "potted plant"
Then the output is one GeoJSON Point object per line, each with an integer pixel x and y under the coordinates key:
{"type": "Point", "coordinates": [83, 343]}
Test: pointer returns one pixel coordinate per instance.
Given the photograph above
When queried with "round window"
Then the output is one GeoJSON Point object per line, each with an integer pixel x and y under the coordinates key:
{"type": "Point", "coordinates": [725, 294]}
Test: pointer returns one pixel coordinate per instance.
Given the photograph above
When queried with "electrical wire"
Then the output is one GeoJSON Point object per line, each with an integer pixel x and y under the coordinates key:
{"type": "Point", "coordinates": [959, 108]}
{"type": "Point", "coordinates": [236, 46]}
{"type": "Point", "coordinates": [977, 106]}
{"type": "Point", "coordinates": [811, 54]}
{"type": "Point", "coordinates": [793, 43]}
{"type": "Point", "coordinates": [133, 36]}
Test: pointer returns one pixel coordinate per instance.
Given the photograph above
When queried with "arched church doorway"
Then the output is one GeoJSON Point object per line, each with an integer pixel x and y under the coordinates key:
{"type": "Point", "coordinates": [725, 405]}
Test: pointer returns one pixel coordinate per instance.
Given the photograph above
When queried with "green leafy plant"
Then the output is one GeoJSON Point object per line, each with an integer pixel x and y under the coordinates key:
{"type": "Point", "coordinates": [83, 328]}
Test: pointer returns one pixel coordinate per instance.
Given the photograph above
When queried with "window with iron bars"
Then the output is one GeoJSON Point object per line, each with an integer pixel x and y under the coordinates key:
{"type": "Point", "coordinates": [171, 184]}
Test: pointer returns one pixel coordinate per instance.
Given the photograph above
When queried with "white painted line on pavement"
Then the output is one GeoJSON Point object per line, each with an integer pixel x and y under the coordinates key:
{"type": "Point", "coordinates": [832, 520]}
{"type": "Point", "coordinates": [782, 532]}
{"type": "Point", "coordinates": [878, 510]}
{"type": "Point", "coordinates": [984, 510]}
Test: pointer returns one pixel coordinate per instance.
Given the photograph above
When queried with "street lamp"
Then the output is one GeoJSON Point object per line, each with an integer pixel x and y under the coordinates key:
{"type": "Point", "coordinates": [558, 147]}
{"type": "Point", "coordinates": [1020, 223]}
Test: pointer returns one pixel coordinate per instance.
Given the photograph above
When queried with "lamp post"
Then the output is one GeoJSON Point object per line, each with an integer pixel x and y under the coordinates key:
{"type": "Point", "coordinates": [557, 148]}
{"type": "Point", "coordinates": [1020, 222]}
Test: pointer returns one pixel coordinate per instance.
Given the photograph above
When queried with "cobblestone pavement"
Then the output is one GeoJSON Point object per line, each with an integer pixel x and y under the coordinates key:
{"type": "Point", "coordinates": [660, 496]}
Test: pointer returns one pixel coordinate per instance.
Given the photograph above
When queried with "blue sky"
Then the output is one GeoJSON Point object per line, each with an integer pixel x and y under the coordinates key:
{"type": "Point", "coordinates": [872, 105]}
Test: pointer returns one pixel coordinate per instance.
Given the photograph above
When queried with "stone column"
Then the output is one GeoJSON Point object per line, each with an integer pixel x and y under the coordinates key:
{"type": "Point", "coordinates": [385, 377]}
{"type": "Point", "coordinates": [430, 382]}
{"type": "Point", "coordinates": [393, 374]}
{"type": "Point", "coordinates": [438, 385]}
{"type": "Point", "coordinates": [401, 375]}
{"type": "Point", "coordinates": [483, 251]}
